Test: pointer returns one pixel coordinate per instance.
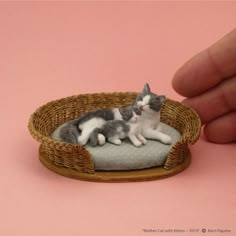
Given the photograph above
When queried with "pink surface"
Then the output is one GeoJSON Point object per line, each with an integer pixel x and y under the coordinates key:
{"type": "Point", "coordinates": [53, 50]}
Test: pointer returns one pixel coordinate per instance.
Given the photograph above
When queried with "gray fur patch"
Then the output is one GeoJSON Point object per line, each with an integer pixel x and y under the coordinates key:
{"type": "Point", "coordinates": [126, 113]}
{"type": "Point", "coordinates": [69, 134]}
{"type": "Point", "coordinates": [93, 139]}
{"type": "Point", "coordinates": [137, 110]}
{"type": "Point", "coordinates": [105, 114]}
{"type": "Point", "coordinates": [110, 129]}
{"type": "Point", "coordinates": [155, 102]}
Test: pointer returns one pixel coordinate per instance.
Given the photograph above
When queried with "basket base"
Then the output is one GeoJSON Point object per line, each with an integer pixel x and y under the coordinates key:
{"type": "Point", "coordinates": [116, 176]}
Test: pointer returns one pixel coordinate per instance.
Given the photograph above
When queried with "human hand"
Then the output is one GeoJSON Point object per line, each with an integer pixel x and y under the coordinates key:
{"type": "Point", "coordinates": [208, 80]}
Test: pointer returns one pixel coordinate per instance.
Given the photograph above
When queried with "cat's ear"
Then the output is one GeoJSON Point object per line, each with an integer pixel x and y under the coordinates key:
{"type": "Point", "coordinates": [146, 89]}
{"type": "Point", "coordinates": [126, 113]}
{"type": "Point", "coordinates": [137, 110]}
{"type": "Point", "coordinates": [122, 110]}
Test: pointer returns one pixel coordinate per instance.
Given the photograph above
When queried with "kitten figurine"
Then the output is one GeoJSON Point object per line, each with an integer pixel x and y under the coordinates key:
{"type": "Point", "coordinates": [116, 130]}
{"type": "Point", "coordinates": [150, 105]}
{"type": "Point", "coordinates": [78, 131]}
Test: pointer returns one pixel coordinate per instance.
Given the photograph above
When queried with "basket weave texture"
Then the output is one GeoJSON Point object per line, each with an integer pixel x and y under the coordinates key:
{"type": "Point", "coordinates": [53, 114]}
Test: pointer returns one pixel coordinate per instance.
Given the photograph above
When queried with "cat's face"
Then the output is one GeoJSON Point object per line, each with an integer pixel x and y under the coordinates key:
{"type": "Point", "coordinates": [131, 114]}
{"type": "Point", "coordinates": [148, 101]}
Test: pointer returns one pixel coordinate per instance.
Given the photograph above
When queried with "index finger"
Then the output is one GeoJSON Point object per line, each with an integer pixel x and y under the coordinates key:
{"type": "Point", "coordinates": [208, 68]}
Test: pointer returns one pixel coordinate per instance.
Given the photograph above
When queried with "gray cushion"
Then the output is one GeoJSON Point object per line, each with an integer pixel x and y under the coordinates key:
{"type": "Point", "coordinates": [128, 157]}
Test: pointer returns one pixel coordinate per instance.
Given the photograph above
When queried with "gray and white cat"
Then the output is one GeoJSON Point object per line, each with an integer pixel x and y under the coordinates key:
{"type": "Point", "coordinates": [79, 130]}
{"type": "Point", "coordinates": [116, 130]}
{"type": "Point", "coordinates": [150, 104]}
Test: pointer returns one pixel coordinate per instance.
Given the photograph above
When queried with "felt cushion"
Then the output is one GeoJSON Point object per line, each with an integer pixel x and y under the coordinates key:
{"type": "Point", "coordinates": [127, 156]}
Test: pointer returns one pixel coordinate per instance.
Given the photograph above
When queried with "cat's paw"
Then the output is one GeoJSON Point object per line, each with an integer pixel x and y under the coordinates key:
{"type": "Point", "coordinates": [115, 141]}
{"type": "Point", "coordinates": [143, 141]}
{"type": "Point", "coordinates": [81, 141]}
{"type": "Point", "coordinates": [166, 139]}
{"type": "Point", "coordinates": [101, 139]}
{"type": "Point", "coordinates": [137, 144]}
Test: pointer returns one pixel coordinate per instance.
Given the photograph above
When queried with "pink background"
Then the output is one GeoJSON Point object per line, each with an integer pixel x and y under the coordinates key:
{"type": "Point", "coordinates": [53, 50]}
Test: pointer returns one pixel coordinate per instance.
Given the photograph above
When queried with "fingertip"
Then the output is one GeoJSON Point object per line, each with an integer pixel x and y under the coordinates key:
{"type": "Point", "coordinates": [184, 78]}
{"type": "Point", "coordinates": [212, 137]}
{"type": "Point", "coordinates": [176, 82]}
{"type": "Point", "coordinates": [221, 130]}
{"type": "Point", "coordinates": [189, 103]}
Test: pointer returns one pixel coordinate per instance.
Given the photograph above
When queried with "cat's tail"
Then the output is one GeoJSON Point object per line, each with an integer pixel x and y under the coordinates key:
{"type": "Point", "coordinates": [96, 137]}
{"type": "Point", "coordinates": [69, 134]}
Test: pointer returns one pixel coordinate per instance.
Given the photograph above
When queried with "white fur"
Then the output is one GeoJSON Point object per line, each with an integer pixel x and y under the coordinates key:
{"type": "Point", "coordinates": [88, 127]}
{"type": "Point", "coordinates": [117, 115]}
{"type": "Point", "coordinates": [134, 118]}
{"type": "Point", "coordinates": [115, 140]}
{"type": "Point", "coordinates": [101, 139]}
{"type": "Point", "coordinates": [149, 122]}
{"type": "Point", "coordinates": [144, 103]}
{"type": "Point", "coordinates": [134, 134]}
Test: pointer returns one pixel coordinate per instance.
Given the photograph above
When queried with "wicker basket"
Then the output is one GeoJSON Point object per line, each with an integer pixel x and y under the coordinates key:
{"type": "Point", "coordinates": [72, 160]}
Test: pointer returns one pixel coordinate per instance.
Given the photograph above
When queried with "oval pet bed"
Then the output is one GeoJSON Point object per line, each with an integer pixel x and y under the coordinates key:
{"type": "Point", "coordinates": [110, 163]}
{"type": "Point", "coordinates": [126, 156]}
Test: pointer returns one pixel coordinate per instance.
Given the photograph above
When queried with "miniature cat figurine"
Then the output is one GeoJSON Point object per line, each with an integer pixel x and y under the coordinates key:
{"type": "Point", "coordinates": [79, 130]}
{"type": "Point", "coordinates": [150, 105]}
{"type": "Point", "coordinates": [116, 130]}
